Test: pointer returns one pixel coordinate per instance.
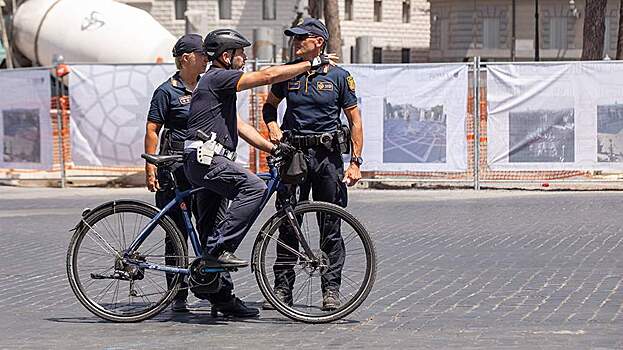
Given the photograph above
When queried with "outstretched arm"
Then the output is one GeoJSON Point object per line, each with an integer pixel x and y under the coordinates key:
{"type": "Point", "coordinates": [272, 75]}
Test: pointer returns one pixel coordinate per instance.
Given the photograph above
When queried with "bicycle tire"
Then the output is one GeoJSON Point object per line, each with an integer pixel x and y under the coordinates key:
{"type": "Point", "coordinates": [88, 224]}
{"type": "Point", "coordinates": [260, 268]}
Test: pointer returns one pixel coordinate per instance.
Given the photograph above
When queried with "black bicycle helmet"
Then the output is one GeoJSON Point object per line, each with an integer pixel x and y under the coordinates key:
{"type": "Point", "coordinates": [221, 40]}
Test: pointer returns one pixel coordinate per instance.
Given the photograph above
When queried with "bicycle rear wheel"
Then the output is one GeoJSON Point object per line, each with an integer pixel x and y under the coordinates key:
{"type": "Point", "coordinates": [105, 283]}
{"type": "Point", "coordinates": [346, 270]}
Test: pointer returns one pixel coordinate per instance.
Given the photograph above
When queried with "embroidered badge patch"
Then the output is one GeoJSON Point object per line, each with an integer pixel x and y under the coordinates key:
{"type": "Point", "coordinates": [185, 99]}
{"type": "Point", "coordinates": [294, 85]}
{"type": "Point", "coordinates": [324, 86]}
{"type": "Point", "coordinates": [351, 82]}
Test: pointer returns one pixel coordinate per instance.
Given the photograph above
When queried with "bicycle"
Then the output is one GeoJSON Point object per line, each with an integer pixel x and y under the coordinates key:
{"type": "Point", "coordinates": [116, 266]}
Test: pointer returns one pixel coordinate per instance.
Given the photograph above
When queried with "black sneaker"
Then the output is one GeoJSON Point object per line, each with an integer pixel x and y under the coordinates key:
{"type": "Point", "coordinates": [234, 308]}
{"type": "Point", "coordinates": [283, 295]}
{"type": "Point", "coordinates": [228, 259]}
{"type": "Point", "coordinates": [331, 300]}
{"type": "Point", "coordinates": [179, 305]}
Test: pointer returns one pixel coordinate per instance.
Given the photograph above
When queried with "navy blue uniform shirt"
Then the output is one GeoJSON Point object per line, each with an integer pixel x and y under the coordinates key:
{"type": "Point", "coordinates": [315, 99]}
{"type": "Point", "coordinates": [213, 106]}
{"type": "Point", "coordinates": [170, 105]}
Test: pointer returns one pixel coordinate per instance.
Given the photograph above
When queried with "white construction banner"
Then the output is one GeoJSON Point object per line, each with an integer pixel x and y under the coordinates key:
{"type": "Point", "coordinates": [109, 106]}
{"type": "Point", "coordinates": [414, 116]}
{"type": "Point", "coordinates": [25, 125]}
{"type": "Point", "coordinates": [555, 116]}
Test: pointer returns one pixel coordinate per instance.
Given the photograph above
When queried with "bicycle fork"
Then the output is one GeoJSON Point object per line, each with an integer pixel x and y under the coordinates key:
{"type": "Point", "coordinates": [291, 217]}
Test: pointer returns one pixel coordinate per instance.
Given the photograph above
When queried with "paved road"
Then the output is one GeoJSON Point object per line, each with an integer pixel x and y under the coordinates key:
{"type": "Point", "coordinates": [457, 269]}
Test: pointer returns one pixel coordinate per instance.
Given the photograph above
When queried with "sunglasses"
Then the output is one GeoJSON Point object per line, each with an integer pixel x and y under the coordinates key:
{"type": "Point", "coordinates": [302, 37]}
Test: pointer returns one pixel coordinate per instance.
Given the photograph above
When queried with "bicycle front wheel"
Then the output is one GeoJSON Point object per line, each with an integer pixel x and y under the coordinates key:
{"type": "Point", "coordinates": [107, 284]}
{"type": "Point", "coordinates": [323, 288]}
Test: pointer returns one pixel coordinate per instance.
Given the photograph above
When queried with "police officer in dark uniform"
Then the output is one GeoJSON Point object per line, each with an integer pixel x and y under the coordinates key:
{"type": "Point", "coordinates": [213, 113]}
{"type": "Point", "coordinates": [169, 108]}
{"type": "Point", "coordinates": [315, 100]}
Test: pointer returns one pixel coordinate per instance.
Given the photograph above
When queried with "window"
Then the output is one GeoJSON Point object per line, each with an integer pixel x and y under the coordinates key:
{"type": "Point", "coordinates": [269, 9]}
{"type": "Point", "coordinates": [348, 10]}
{"type": "Point", "coordinates": [224, 9]}
{"type": "Point", "coordinates": [353, 59]}
{"type": "Point", "coordinates": [558, 33]}
{"type": "Point", "coordinates": [377, 55]}
{"type": "Point", "coordinates": [490, 33]}
{"type": "Point", "coordinates": [378, 10]}
{"type": "Point", "coordinates": [180, 9]}
{"type": "Point", "coordinates": [406, 11]}
{"type": "Point", "coordinates": [406, 55]}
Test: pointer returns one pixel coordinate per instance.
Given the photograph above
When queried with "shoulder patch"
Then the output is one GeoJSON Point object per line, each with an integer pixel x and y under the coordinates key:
{"type": "Point", "coordinates": [351, 82]}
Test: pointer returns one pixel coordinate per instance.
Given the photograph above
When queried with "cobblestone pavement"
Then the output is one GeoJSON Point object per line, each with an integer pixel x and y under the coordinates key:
{"type": "Point", "coordinates": [457, 269]}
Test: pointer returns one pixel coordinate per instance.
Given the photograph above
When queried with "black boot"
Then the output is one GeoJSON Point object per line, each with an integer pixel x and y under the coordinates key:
{"type": "Point", "coordinates": [234, 308]}
{"type": "Point", "coordinates": [331, 300]}
{"type": "Point", "coordinates": [283, 295]}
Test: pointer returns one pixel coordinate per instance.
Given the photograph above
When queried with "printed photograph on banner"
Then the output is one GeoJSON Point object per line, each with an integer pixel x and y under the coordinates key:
{"type": "Point", "coordinates": [22, 136]}
{"type": "Point", "coordinates": [610, 133]}
{"type": "Point", "coordinates": [542, 136]}
{"type": "Point", "coordinates": [413, 134]}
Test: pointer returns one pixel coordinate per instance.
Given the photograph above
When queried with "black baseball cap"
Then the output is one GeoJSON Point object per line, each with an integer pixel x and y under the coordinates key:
{"type": "Point", "coordinates": [188, 43]}
{"type": "Point", "coordinates": [309, 26]}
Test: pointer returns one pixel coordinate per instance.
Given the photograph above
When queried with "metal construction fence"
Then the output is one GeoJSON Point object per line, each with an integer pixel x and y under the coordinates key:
{"type": "Point", "coordinates": [529, 123]}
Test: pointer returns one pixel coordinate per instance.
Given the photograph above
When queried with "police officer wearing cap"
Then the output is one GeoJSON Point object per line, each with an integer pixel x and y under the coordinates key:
{"type": "Point", "coordinates": [315, 100]}
{"type": "Point", "coordinates": [169, 108]}
{"type": "Point", "coordinates": [213, 114]}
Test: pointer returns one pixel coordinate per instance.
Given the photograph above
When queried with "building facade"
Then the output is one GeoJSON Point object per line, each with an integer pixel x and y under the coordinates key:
{"type": "Point", "coordinates": [399, 30]}
{"type": "Point", "coordinates": [461, 29]}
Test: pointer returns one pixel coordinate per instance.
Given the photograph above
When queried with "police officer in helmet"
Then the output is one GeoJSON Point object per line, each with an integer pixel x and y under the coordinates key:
{"type": "Point", "coordinates": [315, 100]}
{"type": "Point", "coordinates": [213, 113]}
{"type": "Point", "coordinates": [169, 109]}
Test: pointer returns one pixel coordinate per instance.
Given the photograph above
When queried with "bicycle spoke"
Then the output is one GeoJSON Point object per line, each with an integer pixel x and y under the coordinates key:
{"type": "Point", "coordinates": [103, 243]}
{"type": "Point", "coordinates": [288, 248]}
{"type": "Point", "coordinates": [302, 288]}
{"type": "Point", "coordinates": [156, 246]}
{"type": "Point", "coordinates": [342, 260]}
{"type": "Point", "coordinates": [115, 294]}
{"type": "Point", "coordinates": [123, 230]}
{"type": "Point", "coordinates": [155, 284]}
{"type": "Point", "coordinates": [111, 233]}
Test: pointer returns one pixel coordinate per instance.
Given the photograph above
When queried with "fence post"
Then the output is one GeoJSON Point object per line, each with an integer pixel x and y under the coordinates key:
{"type": "Point", "coordinates": [476, 85]}
{"type": "Point", "coordinates": [256, 118]}
{"type": "Point", "coordinates": [58, 60]}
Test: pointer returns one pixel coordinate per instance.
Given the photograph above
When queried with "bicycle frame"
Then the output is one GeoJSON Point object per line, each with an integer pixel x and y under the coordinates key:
{"type": "Point", "coordinates": [273, 182]}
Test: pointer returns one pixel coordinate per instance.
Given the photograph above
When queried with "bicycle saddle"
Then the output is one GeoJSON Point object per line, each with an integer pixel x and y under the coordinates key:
{"type": "Point", "coordinates": [158, 160]}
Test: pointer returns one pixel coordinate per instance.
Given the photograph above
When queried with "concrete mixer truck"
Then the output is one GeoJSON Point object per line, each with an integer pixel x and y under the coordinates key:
{"type": "Point", "coordinates": [87, 31]}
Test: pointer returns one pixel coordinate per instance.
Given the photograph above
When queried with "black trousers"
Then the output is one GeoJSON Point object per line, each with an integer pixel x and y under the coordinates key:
{"type": "Point", "coordinates": [226, 180]}
{"type": "Point", "coordinates": [206, 216]}
{"type": "Point", "coordinates": [324, 180]}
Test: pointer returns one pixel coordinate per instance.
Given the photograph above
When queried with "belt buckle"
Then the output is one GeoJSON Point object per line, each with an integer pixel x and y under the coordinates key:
{"type": "Point", "coordinates": [326, 139]}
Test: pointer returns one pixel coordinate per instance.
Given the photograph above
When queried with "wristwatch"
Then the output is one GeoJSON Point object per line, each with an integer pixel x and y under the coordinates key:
{"type": "Point", "coordinates": [356, 160]}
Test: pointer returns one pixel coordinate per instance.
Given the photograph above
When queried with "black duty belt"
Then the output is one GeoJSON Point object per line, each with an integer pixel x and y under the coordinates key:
{"type": "Point", "coordinates": [305, 141]}
{"type": "Point", "coordinates": [177, 145]}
